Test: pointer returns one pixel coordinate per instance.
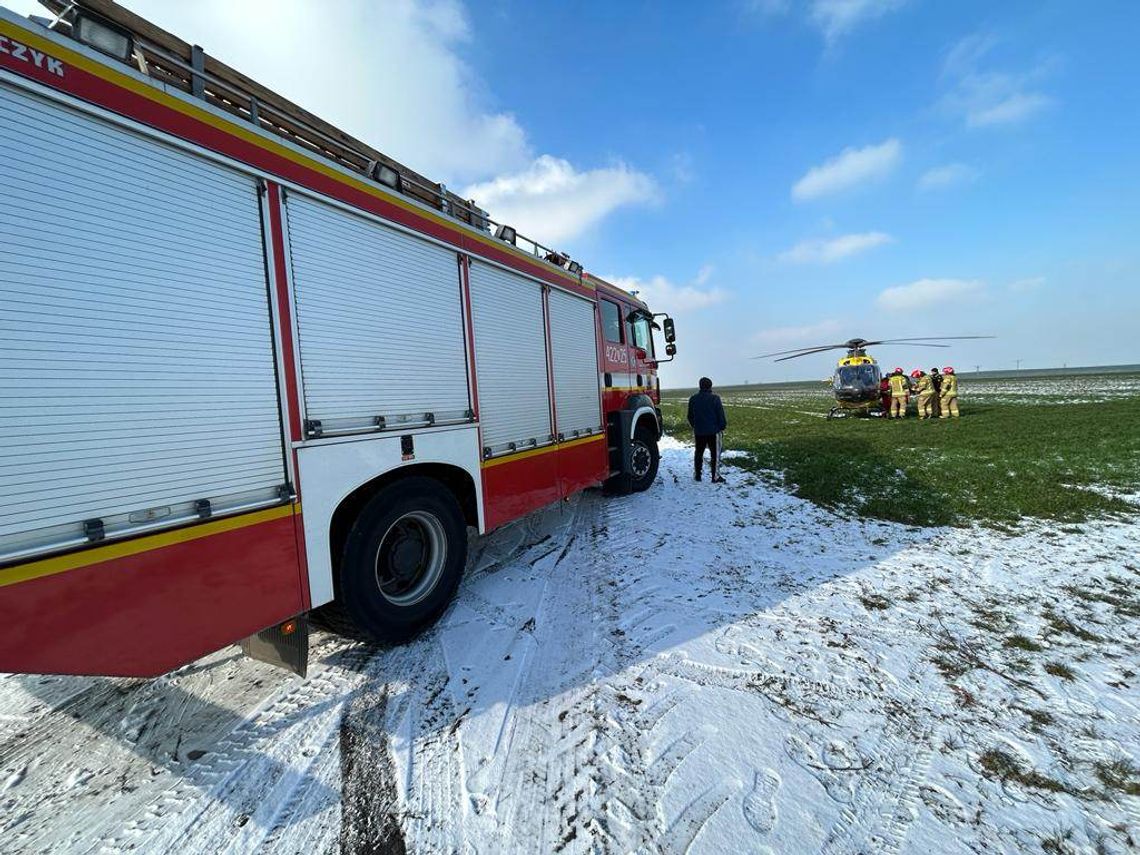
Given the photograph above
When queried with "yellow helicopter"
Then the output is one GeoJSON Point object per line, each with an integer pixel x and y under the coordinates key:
{"type": "Point", "coordinates": [857, 382]}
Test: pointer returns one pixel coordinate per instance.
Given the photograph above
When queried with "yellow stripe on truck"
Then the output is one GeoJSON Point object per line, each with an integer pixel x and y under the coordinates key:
{"type": "Point", "coordinates": [126, 548]}
{"type": "Point", "coordinates": [510, 458]}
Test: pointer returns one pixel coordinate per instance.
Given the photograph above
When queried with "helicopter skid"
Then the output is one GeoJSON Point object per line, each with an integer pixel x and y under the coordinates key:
{"type": "Point", "coordinates": [843, 412]}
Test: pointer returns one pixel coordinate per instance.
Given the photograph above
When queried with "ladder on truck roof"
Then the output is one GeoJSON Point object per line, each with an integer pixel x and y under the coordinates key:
{"type": "Point", "coordinates": [173, 62]}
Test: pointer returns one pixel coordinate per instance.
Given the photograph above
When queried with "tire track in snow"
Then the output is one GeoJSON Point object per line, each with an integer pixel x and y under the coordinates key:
{"type": "Point", "coordinates": [370, 819]}
{"type": "Point", "coordinates": [652, 750]}
{"type": "Point", "coordinates": [680, 836]}
{"type": "Point", "coordinates": [546, 737]}
{"type": "Point", "coordinates": [425, 720]}
{"type": "Point", "coordinates": [124, 738]}
{"type": "Point", "coordinates": [49, 696]}
{"type": "Point", "coordinates": [309, 818]}
{"type": "Point", "coordinates": [576, 771]}
{"type": "Point", "coordinates": [193, 804]}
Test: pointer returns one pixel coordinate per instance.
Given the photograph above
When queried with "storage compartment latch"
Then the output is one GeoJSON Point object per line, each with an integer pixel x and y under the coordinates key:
{"type": "Point", "coordinates": [94, 530]}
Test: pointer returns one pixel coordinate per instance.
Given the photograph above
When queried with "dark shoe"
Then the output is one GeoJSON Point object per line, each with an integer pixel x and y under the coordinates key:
{"type": "Point", "coordinates": [696, 476]}
{"type": "Point", "coordinates": [717, 479]}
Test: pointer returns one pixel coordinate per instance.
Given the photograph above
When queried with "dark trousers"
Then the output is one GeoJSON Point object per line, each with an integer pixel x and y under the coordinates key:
{"type": "Point", "coordinates": [705, 440]}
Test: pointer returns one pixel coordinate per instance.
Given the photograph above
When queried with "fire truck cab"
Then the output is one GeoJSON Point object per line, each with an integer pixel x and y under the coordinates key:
{"type": "Point", "coordinates": [253, 370]}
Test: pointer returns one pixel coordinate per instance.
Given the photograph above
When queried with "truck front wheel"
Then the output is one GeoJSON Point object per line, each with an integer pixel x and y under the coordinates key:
{"type": "Point", "coordinates": [644, 460]}
{"type": "Point", "coordinates": [402, 561]}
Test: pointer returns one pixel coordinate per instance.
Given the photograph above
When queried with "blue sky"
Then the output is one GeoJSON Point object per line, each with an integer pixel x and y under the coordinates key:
{"type": "Point", "coordinates": [774, 173]}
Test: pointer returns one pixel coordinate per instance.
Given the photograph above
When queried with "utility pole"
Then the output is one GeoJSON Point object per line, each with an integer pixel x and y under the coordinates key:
{"type": "Point", "coordinates": [1018, 364]}
{"type": "Point", "coordinates": [977, 369]}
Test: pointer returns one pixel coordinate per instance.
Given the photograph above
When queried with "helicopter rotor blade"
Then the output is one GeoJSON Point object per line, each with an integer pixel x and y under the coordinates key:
{"type": "Point", "coordinates": [929, 338]}
{"type": "Point", "coordinates": [808, 352]}
{"type": "Point", "coordinates": [921, 341]}
{"type": "Point", "coordinates": [908, 343]}
{"type": "Point", "coordinates": [813, 349]}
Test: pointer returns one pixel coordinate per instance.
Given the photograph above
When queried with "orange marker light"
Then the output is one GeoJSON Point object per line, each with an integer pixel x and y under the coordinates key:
{"type": "Point", "coordinates": [289, 627]}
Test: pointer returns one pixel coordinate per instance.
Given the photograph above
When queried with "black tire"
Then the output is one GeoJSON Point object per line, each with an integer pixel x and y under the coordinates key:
{"type": "Point", "coordinates": [402, 561]}
{"type": "Point", "coordinates": [644, 459]}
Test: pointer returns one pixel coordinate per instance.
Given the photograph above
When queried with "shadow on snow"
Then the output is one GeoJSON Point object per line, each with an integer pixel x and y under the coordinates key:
{"type": "Point", "coordinates": [535, 592]}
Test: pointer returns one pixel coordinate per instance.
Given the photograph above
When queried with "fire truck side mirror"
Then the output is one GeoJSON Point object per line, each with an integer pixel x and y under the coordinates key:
{"type": "Point", "coordinates": [670, 332]}
{"type": "Point", "coordinates": [670, 349]}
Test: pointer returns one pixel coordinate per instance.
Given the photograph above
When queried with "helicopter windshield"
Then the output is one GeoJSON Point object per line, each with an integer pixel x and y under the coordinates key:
{"type": "Point", "coordinates": [859, 378]}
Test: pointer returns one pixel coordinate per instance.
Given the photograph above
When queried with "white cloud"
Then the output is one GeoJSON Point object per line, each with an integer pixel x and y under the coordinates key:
{"type": "Point", "coordinates": [851, 167]}
{"type": "Point", "coordinates": [809, 334]}
{"type": "Point", "coordinates": [836, 18]}
{"type": "Point", "coordinates": [551, 201]}
{"type": "Point", "coordinates": [833, 18]}
{"type": "Point", "coordinates": [1006, 108]}
{"type": "Point", "coordinates": [663, 295]}
{"type": "Point", "coordinates": [924, 293]}
{"type": "Point", "coordinates": [830, 250]}
{"type": "Point", "coordinates": [393, 75]}
{"type": "Point", "coordinates": [965, 55]}
{"type": "Point", "coordinates": [984, 97]}
{"type": "Point", "coordinates": [1031, 283]}
{"type": "Point", "coordinates": [949, 175]}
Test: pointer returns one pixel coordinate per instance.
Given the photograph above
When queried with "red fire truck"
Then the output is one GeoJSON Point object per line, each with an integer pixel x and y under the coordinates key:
{"type": "Point", "coordinates": [251, 367]}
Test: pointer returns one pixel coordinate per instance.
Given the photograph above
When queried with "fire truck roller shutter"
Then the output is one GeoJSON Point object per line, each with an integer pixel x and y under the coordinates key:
{"type": "Point", "coordinates": [379, 320]}
{"type": "Point", "coordinates": [574, 350]}
{"type": "Point", "coordinates": [510, 358]}
{"type": "Point", "coordinates": [136, 357]}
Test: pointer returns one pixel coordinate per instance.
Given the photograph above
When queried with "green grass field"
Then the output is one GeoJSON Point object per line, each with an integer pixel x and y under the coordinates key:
{"type": "Point", "coordinates": [1062, 448]}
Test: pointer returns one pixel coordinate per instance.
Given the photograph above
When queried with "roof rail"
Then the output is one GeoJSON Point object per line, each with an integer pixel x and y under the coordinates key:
{"type": "Point", "coordinates": [173, 62]}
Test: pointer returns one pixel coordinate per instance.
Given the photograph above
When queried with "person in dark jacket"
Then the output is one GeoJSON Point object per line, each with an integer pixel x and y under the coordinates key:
{"type": "Point", "coordinates": [706, 416]}
{"type": "Point", "coordinates": [936, 380]}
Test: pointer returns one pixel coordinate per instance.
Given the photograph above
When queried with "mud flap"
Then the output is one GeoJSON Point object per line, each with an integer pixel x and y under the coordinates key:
{"type": "Point", "coordinates": [285, 645]}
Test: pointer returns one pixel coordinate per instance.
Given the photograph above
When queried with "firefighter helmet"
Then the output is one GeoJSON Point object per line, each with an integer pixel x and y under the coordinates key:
{"type": "Point", "coordinates": [949, 369]}
{"type": "Point", "coordinates": [916, 373]}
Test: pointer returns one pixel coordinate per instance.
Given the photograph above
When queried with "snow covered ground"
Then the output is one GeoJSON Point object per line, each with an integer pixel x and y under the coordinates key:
{"type": "Point", "coordinates": [1060, 389]}
{"type": "Point", "coordinates": [1065, 389]}
{"type": "Point", "coordinates": [700, 667]}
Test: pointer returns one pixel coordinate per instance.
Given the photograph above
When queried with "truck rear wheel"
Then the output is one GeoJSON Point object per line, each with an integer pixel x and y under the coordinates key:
{"type": "Point", "coordinates": [644, 459]}
{"type": "Point", "coordinates": [402, 561]}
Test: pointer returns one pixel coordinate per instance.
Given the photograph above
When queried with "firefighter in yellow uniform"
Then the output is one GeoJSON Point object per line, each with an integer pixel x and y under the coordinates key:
{"type": "Point", "coordinates": [924, 388]}
{"type": "Point", "coordinates": [949, 396]}
{"type": "Point", "coordinates": [899, 390]}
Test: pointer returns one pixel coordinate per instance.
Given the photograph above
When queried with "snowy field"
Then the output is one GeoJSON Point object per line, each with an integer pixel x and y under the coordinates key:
{"type": "Point", "coordinates": [1068, 389]}
{"type": "Point", "coordinates": [698, 668]}
{"type": "Point", "coordinates": [1060, 389]}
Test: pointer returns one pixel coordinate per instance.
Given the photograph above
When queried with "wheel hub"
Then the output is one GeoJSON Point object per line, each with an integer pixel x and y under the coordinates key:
{"type": "Point", "coordinates": [641, 459]}
{"type": "Point", "coordinates": [407, 556]}
{"type": "Point", "coordinates": [410, 558]}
